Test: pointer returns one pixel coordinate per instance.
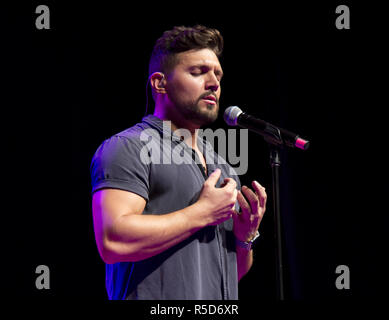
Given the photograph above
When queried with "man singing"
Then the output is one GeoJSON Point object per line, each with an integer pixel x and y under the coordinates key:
{"type": "Point", "coordinates": [168, 230]}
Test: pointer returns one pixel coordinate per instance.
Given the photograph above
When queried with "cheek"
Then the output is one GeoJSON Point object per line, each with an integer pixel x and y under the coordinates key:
{"type": "Point", "coordinates": [219, 92]}
{"type": "Point", "coordinates": [187, 87]}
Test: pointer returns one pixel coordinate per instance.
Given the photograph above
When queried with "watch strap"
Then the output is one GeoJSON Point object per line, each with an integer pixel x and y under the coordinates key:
{"type": "Point", "coordinates": [246, 245]}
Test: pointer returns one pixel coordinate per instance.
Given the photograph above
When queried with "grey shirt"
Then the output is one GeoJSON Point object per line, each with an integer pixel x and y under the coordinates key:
{"type": "Point", "coordinates": [201, 267]}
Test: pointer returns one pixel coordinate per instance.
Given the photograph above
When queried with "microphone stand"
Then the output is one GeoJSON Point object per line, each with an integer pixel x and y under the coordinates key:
{"type": "Point", "coordinates": [273, 137]}
{"type": "Point", "coordinates": [275, 163]}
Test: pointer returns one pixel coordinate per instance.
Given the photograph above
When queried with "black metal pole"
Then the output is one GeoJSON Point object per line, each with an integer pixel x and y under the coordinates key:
{"type": "Point", "coordinates": [275, 163]}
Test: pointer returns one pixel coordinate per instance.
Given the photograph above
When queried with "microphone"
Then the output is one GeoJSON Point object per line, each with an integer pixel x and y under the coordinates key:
{"type": "Point", "coordinates": [235, 116]}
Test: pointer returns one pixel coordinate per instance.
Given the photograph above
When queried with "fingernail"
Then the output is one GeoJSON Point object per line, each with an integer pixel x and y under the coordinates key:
{"type": "Point", "coordinates": [258, 185]}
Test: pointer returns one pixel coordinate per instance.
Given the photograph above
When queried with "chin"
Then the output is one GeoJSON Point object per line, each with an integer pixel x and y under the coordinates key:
{"type": "Point", "coordinates": [208, 116]}
{"type": "Point", "coordinates": [201, 114]}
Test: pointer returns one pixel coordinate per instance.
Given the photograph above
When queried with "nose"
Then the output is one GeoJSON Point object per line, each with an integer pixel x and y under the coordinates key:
{"type": "Point", "coordinates": [212, 83]}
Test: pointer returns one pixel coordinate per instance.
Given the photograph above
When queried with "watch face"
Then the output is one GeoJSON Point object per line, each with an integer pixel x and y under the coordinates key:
{"type": "Point", "coordinates": [255, 237]}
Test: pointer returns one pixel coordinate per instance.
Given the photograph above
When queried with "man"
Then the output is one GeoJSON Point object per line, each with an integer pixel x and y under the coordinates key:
{"type": "Point", "coordinates": [168, 230]}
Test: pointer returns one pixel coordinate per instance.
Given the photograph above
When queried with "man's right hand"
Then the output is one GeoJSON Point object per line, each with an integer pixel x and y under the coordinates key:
{"type": "Point", "coordinates": [123, 233]}
{"type": "Point", "coordinates": [217, 204]}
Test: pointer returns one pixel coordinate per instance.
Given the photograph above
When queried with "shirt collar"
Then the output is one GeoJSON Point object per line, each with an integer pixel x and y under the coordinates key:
{"type": "Point", "coordinates": [157, 123]}
{"type": "Point", "coordinates": [205, 146]}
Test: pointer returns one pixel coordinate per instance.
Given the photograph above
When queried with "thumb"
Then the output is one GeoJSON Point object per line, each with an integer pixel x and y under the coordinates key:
{"type": "Point", "coordinates": [214, 177]}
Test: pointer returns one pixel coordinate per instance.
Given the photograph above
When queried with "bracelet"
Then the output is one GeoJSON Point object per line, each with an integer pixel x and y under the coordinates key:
{"type": "Point", "coordinates": [246, 245]}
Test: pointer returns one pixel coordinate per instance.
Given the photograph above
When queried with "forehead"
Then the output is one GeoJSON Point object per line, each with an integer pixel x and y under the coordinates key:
{"type": "Point", "coordinates": [204, 57]}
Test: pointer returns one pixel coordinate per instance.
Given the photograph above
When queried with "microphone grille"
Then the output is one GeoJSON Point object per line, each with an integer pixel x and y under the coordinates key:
{"type": "Point", "coordinates": [231, 115]}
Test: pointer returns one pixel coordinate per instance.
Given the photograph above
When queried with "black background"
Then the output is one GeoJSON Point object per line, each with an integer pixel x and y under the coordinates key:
{"type": "Point", "coordinates": [67, 89]}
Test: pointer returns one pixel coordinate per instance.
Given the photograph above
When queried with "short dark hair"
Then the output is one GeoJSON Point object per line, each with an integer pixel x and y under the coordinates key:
{"type": "Point", "coordinates": [180, 39]}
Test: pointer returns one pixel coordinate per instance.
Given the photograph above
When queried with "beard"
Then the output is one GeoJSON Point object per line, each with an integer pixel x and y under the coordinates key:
{"type": "Point", "coordinates": [193, 111]}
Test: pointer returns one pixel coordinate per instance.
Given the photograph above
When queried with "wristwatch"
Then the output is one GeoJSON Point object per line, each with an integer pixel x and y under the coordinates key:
{"type": "Point", "coordinates": [246, 245]}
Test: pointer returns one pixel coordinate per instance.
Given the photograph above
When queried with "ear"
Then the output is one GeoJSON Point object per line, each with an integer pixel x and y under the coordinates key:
{"type": "Point", "coordinates": [157, 81]}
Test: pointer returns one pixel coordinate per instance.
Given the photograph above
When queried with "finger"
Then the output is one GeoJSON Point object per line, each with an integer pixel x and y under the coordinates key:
{"type": "Point", "coordinates": [235, 195]}
{"type": "Point", "coordinates": [224, 183]}
{"type": "Point", "coordinates": [261, 193]}
{"type": "Point", "coordinates": [252, 198]}
{"type": "Point", "coordinates": [244, 205]}
{"type": "Point", "coordinates": [214, 177]}
{"type": "Point", "coordinates": [229, 183]}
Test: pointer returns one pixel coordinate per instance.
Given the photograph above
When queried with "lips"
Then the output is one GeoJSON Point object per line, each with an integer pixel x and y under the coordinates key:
{"type": "Point", "coordinates": [210, 99]}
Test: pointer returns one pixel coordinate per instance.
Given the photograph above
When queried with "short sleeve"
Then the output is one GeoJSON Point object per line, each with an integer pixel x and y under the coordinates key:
{"type": "Point", "coordinates": [117, 164]}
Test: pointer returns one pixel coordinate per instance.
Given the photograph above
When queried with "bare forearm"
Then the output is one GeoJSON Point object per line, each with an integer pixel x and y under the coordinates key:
{"type": "Point", "coordinates": [123, 233]}
{"type": "Point", "coordinates": [137, 237]}
{"type": "Point", "coordinates": [244, 261]}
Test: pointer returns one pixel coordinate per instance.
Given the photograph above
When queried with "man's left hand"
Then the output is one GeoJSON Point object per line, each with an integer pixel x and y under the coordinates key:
{"type": "Point", "coordinates": [246, 222]}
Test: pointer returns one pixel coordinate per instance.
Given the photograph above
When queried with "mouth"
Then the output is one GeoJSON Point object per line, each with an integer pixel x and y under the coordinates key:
{"type": "Point", "coordinates": [210, 99]}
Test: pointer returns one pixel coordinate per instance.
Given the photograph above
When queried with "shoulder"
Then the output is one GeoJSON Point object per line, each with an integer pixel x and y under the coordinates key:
{"type": "Point", "coordinates": [128, 140]}
{"type": "Point", "coordinates": [121, 149]}
{"type": "Point", "coordinates": [118, 163]}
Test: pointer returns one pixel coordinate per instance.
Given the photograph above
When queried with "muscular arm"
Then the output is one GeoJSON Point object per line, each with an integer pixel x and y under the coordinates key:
{"type": "Point", "coordinates": [123, 233]}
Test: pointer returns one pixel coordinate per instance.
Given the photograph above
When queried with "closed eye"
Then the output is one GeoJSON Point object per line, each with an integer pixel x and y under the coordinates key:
{"type": "Point", "coordinates": [198, 71]}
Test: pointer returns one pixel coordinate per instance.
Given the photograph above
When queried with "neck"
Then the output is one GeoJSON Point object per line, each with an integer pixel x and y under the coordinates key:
{"type": "Point", "coordinates": [178, 123]}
